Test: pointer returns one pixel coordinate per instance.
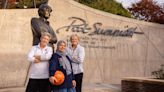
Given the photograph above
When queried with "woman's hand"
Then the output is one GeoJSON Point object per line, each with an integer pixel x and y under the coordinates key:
{"type": "Point", "coordinates": [74, 83]}
{"type": "Point", "coordinates": [51, 79]}
{"type": "Point", "coordinates": [37, 59]}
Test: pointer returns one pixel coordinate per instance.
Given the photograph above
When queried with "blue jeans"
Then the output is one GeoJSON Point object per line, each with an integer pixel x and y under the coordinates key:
{"type": "Point", "coordinates": [65, 90]}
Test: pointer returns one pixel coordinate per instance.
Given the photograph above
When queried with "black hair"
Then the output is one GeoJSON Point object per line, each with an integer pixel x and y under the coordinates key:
{"type": "Point", "coordinates": [43, 8]}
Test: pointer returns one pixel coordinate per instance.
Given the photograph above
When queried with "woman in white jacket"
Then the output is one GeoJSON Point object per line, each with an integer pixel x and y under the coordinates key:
{"type": "Point", "coordinates": [77, 54]}
{"type": "Point", "coordinates": [39, 56]}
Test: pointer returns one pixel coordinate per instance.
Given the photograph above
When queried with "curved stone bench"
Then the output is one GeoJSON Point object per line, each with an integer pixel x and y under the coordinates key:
{"type": "Point", "coordinates": [136, 84]}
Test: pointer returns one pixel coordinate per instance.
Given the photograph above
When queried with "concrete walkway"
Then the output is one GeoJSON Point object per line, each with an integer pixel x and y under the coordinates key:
{"type": "Point", "coordinates": [86, 88]}
{"type": "Point", "coordinates": [101, 88]}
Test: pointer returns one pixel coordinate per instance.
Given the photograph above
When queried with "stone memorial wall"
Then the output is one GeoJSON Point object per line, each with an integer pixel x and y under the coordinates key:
{"type": "Point", "coordinates": [115, 46]}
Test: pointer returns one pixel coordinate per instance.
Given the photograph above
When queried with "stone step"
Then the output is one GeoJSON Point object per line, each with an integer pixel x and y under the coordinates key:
{"type": "Point", "coordinates": [98, 87]}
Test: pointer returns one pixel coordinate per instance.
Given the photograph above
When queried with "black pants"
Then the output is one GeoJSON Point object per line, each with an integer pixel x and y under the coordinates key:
{"type": "Point", "coordinates": [38, 85]}
{"type": "Point", "coordinates": [78, 79]}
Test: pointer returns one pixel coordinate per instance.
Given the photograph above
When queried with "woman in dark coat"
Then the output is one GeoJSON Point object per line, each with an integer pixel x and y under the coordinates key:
{"type": "Point", "coordinates": [60, 61]}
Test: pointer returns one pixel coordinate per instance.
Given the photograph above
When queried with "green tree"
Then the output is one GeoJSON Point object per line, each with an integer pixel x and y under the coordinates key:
{"type": "Point", "coordinates": [110, 6]}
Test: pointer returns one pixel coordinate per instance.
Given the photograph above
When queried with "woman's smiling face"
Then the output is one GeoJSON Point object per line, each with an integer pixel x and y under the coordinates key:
{"type": "Point", "coordinates": [62, 47]}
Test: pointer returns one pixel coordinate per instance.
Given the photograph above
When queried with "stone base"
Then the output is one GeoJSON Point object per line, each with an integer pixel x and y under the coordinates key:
{"type": "Point", "coordinates": [142, 85]}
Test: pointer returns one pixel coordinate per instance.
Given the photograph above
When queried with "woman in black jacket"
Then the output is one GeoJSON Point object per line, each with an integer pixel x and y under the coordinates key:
{"type": "Point", "coordinates": [60, 61]}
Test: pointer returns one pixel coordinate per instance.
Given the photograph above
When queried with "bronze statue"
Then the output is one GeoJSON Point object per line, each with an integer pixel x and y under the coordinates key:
{"type": "Point", "coordinates": [41, 24]}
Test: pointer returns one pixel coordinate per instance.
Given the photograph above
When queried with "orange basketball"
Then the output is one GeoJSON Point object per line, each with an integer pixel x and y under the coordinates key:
{"type": "Point", "coordinates": [60, 78]}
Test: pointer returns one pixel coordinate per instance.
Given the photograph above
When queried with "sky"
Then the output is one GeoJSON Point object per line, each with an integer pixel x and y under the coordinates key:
{"type": "Point", "coordinates": [127, 3]}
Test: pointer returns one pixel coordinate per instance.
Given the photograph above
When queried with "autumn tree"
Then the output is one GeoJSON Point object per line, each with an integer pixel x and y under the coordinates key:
{"type": "Point", "coordinates": [148, 10]}
{"type": "Point", "coordinates": [30, 3]}
{"type": "Point", "coordinates": [12, 4]}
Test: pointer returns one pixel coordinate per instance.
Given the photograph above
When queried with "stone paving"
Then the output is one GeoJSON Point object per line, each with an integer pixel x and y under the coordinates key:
{"type": "Point", "coordinates": [86, 88]}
